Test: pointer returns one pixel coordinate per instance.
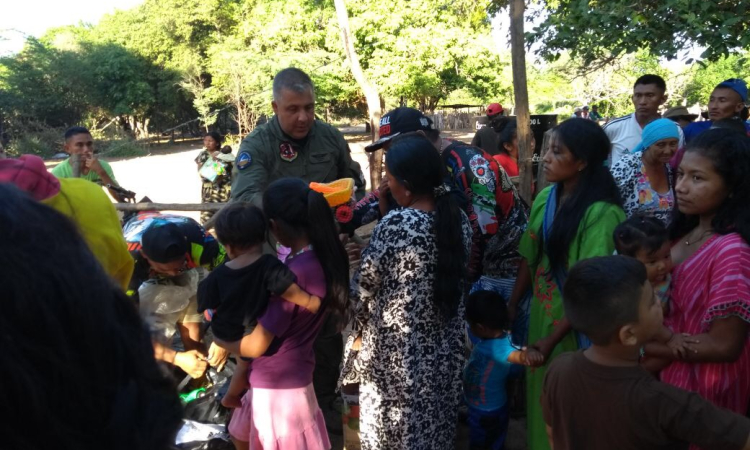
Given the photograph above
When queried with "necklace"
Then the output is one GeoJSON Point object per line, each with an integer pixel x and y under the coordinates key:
{"type": "Point", "coordinates": [702, 236]}
{"type": "Point", "coordinates": [304, 249]}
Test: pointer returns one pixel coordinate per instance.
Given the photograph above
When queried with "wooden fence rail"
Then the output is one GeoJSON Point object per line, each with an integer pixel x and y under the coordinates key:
{"type": "Point", "coordinates": [169, 206]}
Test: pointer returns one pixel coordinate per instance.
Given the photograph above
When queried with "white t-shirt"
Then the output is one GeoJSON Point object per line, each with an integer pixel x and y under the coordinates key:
{"type": "Point", "coordinates": [625, 134]}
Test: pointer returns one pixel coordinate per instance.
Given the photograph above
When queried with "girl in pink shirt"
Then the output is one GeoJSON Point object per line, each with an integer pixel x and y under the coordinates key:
{"type": "Point", "coordinates": [711, 281]}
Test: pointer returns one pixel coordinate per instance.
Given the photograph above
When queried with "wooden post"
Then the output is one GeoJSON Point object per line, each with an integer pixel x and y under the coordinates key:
{"type": "Point", "coordinates": [75, 164]}
{"type": "Point", "coordinates": [518, 57]}
{"type": "Point", "coordinates": [370, 91]}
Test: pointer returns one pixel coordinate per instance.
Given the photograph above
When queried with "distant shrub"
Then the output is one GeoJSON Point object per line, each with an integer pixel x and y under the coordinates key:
{"type": "Point", "coordinates": [122, 148]}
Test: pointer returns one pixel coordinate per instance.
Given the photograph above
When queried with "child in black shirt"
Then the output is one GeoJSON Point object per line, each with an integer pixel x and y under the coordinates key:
{"type": "Point", "coordinates": [238, 290]}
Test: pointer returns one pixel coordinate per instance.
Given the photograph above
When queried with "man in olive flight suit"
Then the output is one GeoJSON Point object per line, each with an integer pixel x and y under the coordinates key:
{"type": "Point", "coordinates": [292, 144]}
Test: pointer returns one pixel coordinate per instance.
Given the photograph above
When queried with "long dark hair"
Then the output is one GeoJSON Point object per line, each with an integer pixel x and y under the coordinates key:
{"type": "Point", "coordinates": [729, 151]}
{"type": "Point", "coordinates": [216, 136]}
{"type": "Point", "coordinates": [587, 142]}
{"type": "Point", "coordinates": [298, 209]}
{"type": "Point", "coordinates": [76, 355]}
{"type": "Point", "coordinates": [415, 162]}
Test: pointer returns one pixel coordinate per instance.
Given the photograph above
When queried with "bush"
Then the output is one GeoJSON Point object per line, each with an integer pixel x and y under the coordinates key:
{"type": "Point", "coordinates": [122, 148]}
{"type": "Point", "coordinates": [44, 144]}
{"type": "Point", "coordinates": [48, 142]}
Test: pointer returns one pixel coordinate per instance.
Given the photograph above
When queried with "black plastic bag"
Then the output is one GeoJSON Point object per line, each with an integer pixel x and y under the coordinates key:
{"type": "Point", "coordinates": [212, 444]}
{"type": "Point", "coordinates": [208, 408]}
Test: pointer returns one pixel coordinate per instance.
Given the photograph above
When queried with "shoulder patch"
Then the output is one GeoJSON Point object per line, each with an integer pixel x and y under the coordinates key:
{"type": "Point", "coordinates": [244, 160]}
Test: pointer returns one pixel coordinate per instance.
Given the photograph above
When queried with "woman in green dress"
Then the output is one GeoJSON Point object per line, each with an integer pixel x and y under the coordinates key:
{"type": "Point", "coordinates": [571, 220]}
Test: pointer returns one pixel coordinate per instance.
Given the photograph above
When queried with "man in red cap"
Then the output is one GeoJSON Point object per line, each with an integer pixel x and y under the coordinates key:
{"type": "Point", "coordinates": [486, 137]}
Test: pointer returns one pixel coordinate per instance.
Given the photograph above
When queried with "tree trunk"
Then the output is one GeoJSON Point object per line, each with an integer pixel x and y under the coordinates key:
{"type": "Point", "coordinates": [518, 56]}
{"type": "Point", "coordinates": [371, 92]}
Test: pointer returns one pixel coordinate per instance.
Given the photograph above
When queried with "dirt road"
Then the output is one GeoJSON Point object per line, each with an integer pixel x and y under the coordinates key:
{"type": "Point", "coordinates": [173, 177]}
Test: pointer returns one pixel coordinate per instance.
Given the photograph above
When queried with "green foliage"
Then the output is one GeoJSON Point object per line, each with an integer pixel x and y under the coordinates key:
{"type": "Point", "coordinates": [43, 143]}
{"type": "Point", "coordinates": [601, 31]}
{"type": "Point", "coordinates": [706, 77]}
{"type": "Point", "coordinates": [168, 62]}
{"type": "Point", "coordinates": [123, 148]}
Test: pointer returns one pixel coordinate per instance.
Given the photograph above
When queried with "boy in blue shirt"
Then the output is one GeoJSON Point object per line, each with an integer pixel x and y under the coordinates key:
{"type": "Point", "coordinates": [488, 368]}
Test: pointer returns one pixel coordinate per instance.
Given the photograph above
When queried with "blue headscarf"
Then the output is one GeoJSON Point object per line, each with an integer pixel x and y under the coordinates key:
{"type": "Point", "coordinates": [656, 131]}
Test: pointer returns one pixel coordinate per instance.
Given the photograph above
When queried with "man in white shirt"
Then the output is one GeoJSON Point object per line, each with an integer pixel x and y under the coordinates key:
{"type": "Point", "coordinates": [649, 93]}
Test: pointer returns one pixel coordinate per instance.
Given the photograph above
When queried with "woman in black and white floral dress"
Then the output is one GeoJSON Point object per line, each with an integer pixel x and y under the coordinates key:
{"type": "Point", "coordinates": [408, 299]}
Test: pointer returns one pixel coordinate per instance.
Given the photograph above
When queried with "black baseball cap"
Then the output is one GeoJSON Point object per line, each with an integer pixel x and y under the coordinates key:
{"type": "Point", "coordinates": [163, 242]}
{"type": "Point", "coordinates": [398, 121]}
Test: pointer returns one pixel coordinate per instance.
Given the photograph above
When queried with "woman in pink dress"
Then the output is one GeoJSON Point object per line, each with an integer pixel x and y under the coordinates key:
{"type": "Point", "coordinates": [711, 281]}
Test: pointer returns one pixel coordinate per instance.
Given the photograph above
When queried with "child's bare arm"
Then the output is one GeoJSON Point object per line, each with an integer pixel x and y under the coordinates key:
{"type": "Point", "coordinates": [517, 357]}
{"type": "Point", "coordinates": [526, 357]}
{"type": "Point", "coordinates": [299, 297]}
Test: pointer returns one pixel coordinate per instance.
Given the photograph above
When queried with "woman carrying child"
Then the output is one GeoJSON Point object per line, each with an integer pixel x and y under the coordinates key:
{"type": "Point", "coordinates": [215, 169]}
{"type": "Point", "coordinates": [570, 221]}
{"type": "Point", "coordinates": [280, 410]}
{"type": "Point", "coordinates": [711, 281]}
{"type": "Point", "coordinates": [644, 176]}
{"type": "Point", "coordinates": [409, 309]}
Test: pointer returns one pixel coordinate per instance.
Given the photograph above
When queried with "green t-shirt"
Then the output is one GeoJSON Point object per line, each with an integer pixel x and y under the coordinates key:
{"type": "Point", "coordinates": [64, 170]}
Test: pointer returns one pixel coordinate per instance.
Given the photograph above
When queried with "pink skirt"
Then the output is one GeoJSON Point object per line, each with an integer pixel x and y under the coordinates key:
{"type": "Point", "coordinates": [280, 419]}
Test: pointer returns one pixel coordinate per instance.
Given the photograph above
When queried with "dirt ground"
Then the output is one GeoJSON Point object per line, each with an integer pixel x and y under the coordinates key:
{"type": "Point", "coordinates": [169, 175]}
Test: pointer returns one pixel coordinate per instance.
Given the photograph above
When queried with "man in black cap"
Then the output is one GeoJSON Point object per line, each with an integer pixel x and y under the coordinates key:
{"type": "Point", "coordinates": [484, 190]}
{"type": "Point", "coordinates": [169, 247]}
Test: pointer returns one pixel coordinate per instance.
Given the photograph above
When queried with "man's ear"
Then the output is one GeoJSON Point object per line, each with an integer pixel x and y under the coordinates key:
{"type": "Point", "coordinates": [627, 334]}
{"type": "Point", "coordinates": [275, 107]}
{"type": "Point", "coordinates": [664, 99]}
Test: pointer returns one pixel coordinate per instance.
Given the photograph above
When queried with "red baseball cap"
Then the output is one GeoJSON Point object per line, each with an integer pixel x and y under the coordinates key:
{"type": "Point", "coordinates": [494, 109]}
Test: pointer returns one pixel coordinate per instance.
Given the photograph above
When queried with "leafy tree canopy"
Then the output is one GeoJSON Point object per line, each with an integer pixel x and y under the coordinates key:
{"type": "Point", "coordinates": [603, 30]}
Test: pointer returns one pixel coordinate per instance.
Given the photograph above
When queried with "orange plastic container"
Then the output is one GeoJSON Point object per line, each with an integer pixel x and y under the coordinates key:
{"type": "Point", "coordinates": [336, 192]}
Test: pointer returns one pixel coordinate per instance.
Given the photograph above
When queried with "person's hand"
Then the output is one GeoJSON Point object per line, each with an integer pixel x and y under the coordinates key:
{"type": "Point", "coordinates": [217, 356]}
{"type": "Point", "coordinates": [92, 163]}
{"type": "Point", "coordinates": [192, 362]}
{"type": "Point", "coordinates": [533, 357]}
{"type": "Point", "coordinates": [383, 188]}
{"type": "Point", "coordinates": [544, 346]}
{"type": "Point", "coordinates": [353, 250]}
{"type": "Point", "coordinates": [681, 344]}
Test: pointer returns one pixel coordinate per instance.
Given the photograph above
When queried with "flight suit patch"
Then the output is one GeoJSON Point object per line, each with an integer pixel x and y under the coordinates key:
{"type": "Point", "coordinates": [287, 152]}
{"type": "Point", "coordinates": [244, 160]}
